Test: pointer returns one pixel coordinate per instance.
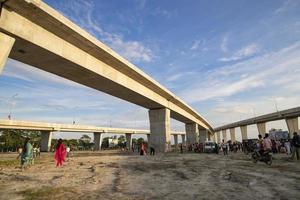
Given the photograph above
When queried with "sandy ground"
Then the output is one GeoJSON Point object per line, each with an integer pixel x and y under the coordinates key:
{"type": "Point", "coordinates": [119, 175]}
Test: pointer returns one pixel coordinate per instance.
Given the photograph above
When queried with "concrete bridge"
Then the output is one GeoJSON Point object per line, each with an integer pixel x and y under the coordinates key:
{"type": "Point", "coordinates": [290, 116]}
{"type": "Point", "coordinates": [34, 33]}
{"type": "Point", "coordinates": [47, 129]}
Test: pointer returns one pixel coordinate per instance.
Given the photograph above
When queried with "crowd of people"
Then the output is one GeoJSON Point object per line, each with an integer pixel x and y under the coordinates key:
{"type": "Point", "coordinates": [291, 147]}
{"type": "Point", "coordinates": [263, 144]}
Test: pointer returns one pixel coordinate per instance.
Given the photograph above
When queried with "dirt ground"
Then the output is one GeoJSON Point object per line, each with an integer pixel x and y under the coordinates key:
{"type": "Point", "coordinates": [121, 175]}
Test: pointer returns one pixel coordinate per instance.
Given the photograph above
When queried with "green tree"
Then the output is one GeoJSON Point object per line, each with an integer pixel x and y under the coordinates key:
{"type": "Point", "coordinates": [121, 141]}
{"type": "Point", "coordinates": [10, 140]}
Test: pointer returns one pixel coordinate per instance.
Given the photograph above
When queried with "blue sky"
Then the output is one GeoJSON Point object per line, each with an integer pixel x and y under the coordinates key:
{"type": "Point", "coordinates": [229, 60]}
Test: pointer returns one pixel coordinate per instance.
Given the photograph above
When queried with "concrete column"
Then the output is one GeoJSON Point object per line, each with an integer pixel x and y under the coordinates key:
{"type": "Point", "coordinates": [148, 138]}
{"type": "Point", "coordinates": [203, 135]}
{"type": "Point", "coordinates": [128, 141]}
{"type": "Point", "coordinates": [97, 141]}
{"type": "Point", "coordinates": [214, 137]}
{"type": "Point", "coordinates": [176, 142]}
{"type": "Point", "coordinates": [232, 134]}
{"type": "Point", "coordinates": [218, 137]}
{"type": "Point", "coordinates": [293, 126]}
{"type": "Point", "coordinates": [261, 128]}
{"type": "Point", "coordinates": [46, 137]}
{"type": "Point", "coordinates": [244, 132]}
{"type": "Point", "coordinates": [183, 140]}
{"type": "Point", "coordinates": [224, 135]}
{"type": "Point", "coordinates": [192, 133]}
{"type": "Point", "coordinates": [6, 44]}
{"type": "Point", "coordinates": [160, 129]}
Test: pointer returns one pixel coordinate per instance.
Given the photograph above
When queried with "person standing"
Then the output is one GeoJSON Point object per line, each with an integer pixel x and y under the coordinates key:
{"type": "Point", "coordinates": [152, 151]}
{"type": "Point", "coordinates": [224, 147]}
{"type": "Point", "coordinates": [267, 143]}
{"type": "Point", "coordinates": [142, 152]}
{"type": "Point", "coordinates": [287, 146]}
{"type": "Point", "coordinates": [26, 155]}
{"type": "Point", "coordinates": [60, 153]}
{"type": "Point", "coordinates": [296, 146]}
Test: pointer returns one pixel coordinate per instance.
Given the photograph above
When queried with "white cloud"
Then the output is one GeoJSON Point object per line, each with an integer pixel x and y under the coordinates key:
{"type": "Point", "coordinates": [224, 43]}
{"type": "Point", "coordinates": [84, 16]}
{"type": "Point", "coordinates": [16, 69]}
{"type": "Point", "coordinates": [244, 52]}
{"type": "Point", "coordinates": [286, 6]}
{"type": "Point", "coordinates": [164, 13]}
{"type": "Point", "coordinates": [263, 72]}
{"type": "Point", "coordinates": [199, 45]}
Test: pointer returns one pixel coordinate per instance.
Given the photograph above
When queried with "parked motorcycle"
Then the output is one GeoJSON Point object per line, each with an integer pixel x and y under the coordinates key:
{"type": "Point", "coordinates": [264, 157]}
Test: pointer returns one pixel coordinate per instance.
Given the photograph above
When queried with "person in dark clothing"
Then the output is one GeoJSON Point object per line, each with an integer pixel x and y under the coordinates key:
{"type": "Point", "coordinates": [217, 148]}
{"type": "Point", "coordinates": [152, 151]}
{"type": "Point", "coordinates": [181, 148]}
{"type": "Point", "coordinates": [296, 146]}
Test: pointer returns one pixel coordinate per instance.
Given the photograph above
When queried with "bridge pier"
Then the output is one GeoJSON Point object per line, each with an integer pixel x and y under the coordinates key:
{"type": "Point", "coordinates": [203, 135]}
{"type": "Point", "coordinates": [261, 128]}
{"type": "Point", "coordinates": [218, 137]}
{"type": "Point", "coordinates": [183, 140]}
{"type": "Point", "coordinates": [244, 132]}
{"type": "Point", "coordinates": [209, 137]}
{"type": "Point", "coordinates": [128, 140]}
{"type": "Point", "coordinates": [192, 132]}
{"type": "Point", "coordinates": [97, 141]}
{"type": "Point", "coordinates": [160, 129]}
{"type": "Point", "coordinates": [6, 44]}
{"type": "Point", "coordinates": [214, 137]}
{"type": "Point", "coordinates": [46, 137]}
{"type": "Point", "coordinates": [224, 135]}
{"type": "Point", "coordinates": [176, 142]}
{"type": "Point", "coordinates": [232, 134]}
{"type": "Point", "coordinates": [293, 126]}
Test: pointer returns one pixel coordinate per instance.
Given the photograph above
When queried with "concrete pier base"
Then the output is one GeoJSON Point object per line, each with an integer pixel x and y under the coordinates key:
{"type": "Point", "coordinates": [232, 134]}
{"type": "Point", "coordinates": [128, 140]}
{"type": "Point", "coordinates": [218, 137]}
{"type": "Point", "coordinates": [46, 137]}
{"type": "Point", "coordinates": [160, 129]}
{"type": "Point", "coordinates": [203, 135]}
{"type": "Point", "coordinates": [176, 142]}
{"type": "Point", "coordinates": [261, 128]}
{"type": "Point", "coordinates": [293, 126]}
{"type": "Point", "coordinates": [183, 140]}
{"type": "Point", "coordinates": [244, 132]}
{"type": "Point", "coordinates": [6, 43]}
{"type": "Point", "coordinates": [224, 135]}
{"type": "Point", "coordinates": [192, 133]}
{"type": "Point", "coordinates": [97, 141]}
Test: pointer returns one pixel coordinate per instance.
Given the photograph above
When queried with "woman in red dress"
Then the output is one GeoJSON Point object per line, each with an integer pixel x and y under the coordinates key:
{"type": "Point", "coordinates": [60, 153]}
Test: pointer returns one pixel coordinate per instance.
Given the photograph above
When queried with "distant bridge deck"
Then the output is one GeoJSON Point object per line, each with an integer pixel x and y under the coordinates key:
{"type": "Point", "coordinates": [284, 114]}
{"type": "Point", "coordinates": [42, 126]}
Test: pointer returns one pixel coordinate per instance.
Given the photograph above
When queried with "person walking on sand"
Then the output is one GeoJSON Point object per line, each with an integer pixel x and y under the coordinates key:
{"type": "Point", "coordinates": [26, 155]}
{"type": "Point", "coordinates": [224, 147]}
{"type": "Point", "coordinates": [60, 153]}
{"type": "Point", "coordinates": [296, 146]}
{"type": "Point", "coordinates": [142, 152]}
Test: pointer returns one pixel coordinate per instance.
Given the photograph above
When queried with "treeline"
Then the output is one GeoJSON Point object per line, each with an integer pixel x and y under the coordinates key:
{"type": "Point", "coordinates": [12, 140]}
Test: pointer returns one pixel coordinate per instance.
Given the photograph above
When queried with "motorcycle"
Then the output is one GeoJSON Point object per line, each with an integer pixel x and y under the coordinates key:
{"type": "Point", "coordinates": [264, 157]}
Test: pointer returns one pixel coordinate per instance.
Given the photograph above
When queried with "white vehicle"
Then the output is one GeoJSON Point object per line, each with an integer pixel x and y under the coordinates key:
{"type": "Point", "coordinates": [209, 147]}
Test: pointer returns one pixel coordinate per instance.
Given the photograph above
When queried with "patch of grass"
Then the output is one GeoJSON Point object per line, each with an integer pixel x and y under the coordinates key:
{"type": "Point", "coordinates": [9, 163]}
{"type": "Point", "coordinates": [49, 193]}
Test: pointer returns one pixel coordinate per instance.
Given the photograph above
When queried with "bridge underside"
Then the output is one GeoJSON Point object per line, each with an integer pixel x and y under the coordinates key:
{"type": "Point", "coordinates": [48, 41]}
